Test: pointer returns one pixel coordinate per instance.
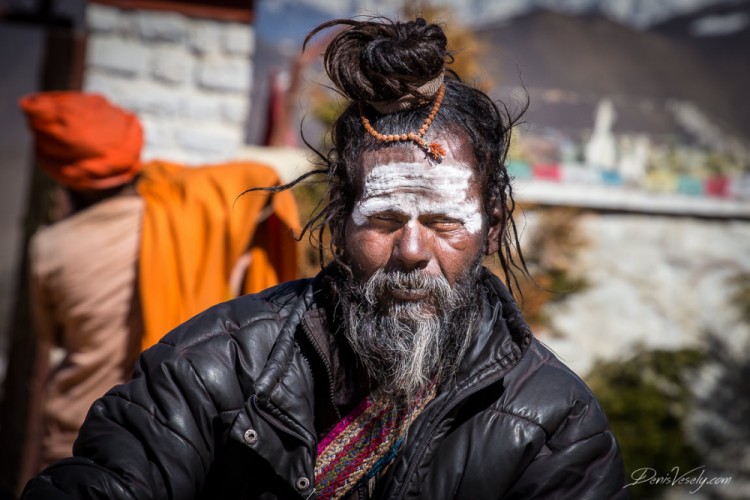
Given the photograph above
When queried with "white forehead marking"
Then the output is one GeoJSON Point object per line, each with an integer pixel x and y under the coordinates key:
{"type": "Point", "coordinates": [403, 187]}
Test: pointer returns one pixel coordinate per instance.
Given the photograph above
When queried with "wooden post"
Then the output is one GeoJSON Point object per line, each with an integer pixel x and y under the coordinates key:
{"type": "Point", "coordinates": [27, 360]}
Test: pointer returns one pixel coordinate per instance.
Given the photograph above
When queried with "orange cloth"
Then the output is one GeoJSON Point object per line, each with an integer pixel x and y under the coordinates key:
{"type": "Point", "coordinates": [195, 229]}
{"type": "Point", "coordinates": [83, 141]}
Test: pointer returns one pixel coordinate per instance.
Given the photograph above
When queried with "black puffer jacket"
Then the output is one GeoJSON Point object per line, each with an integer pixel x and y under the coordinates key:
{"type": "Point", "coordinates": [224, 407]}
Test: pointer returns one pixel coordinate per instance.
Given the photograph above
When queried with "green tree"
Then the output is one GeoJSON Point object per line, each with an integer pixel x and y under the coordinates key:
{"type": "Point", "coordinates": [647, 399]}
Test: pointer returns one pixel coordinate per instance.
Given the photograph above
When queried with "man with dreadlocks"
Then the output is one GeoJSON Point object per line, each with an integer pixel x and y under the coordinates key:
{"type": "Point", "coordinates": [404, 369]}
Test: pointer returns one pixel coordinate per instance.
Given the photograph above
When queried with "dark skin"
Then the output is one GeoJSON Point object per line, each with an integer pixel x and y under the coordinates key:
{"type": "Point", "coordinates": [438, 241]}
{"type": "Point", "coordinates": [435, 241]}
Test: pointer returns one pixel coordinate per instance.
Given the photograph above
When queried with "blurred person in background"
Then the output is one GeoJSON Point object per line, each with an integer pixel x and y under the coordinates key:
{"type": "Point", "coordinates": [144, 247]}
{"type": "Point", "coordinates": [403, 369]}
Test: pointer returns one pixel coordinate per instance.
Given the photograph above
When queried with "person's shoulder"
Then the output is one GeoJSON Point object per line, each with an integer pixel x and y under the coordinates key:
{"type": "Point", "coordinates": [47, 237]}
{"type": "Point", "coordinates": [64, 237]}
{"type": "Point", "coordinates": [39, 243]}
{"type": "Point", "coordinates": [45, 247]}
{"type": "Point", "coordinates": [261, 315]}
{"type": "Point", "coordinates": [543, 390]}
{"type": "Point", "coordinates": [227, 346]}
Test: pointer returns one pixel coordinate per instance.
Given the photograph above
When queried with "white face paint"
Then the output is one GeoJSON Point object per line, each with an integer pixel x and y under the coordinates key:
{"type": "Point", "coordinates": [412, 190]}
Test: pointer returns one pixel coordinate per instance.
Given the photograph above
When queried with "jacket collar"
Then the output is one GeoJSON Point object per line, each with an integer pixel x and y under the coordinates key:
{"type": "Point", "coordinates": [502, 336]}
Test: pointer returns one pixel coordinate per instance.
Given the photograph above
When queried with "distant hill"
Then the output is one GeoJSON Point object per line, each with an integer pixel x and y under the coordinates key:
{"type": "Point", "coordinates": [723, 55]}
{"type": "Point", "coordinates": [569, 62]}
{"type": "Point", "coordinates": [287, 21]}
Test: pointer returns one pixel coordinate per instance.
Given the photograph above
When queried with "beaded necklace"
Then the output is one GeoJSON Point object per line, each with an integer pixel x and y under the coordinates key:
{"type": "Point", "coordinates": [434, 149]}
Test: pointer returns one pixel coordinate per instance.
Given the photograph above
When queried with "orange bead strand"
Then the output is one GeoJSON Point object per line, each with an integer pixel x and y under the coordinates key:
{"type": "Point", "coordinates": [434, 149]}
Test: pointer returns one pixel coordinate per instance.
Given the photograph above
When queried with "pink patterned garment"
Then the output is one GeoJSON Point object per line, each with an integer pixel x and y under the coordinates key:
{"type": "Point", "coordinates": [362, 445]}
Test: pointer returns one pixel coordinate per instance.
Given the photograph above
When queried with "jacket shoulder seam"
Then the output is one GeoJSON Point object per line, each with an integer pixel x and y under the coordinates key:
{"type": "Point", "coordinates": [216, 333]}
{"type": "Point", "coordinates": [515, 415]}
{"type": "Point", "coordinates": [181, 353]}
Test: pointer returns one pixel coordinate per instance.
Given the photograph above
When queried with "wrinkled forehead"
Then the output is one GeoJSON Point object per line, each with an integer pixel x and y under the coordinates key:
{"type": "Point", "coordinates": [407, 167]}
{"type": "Point", "coordinates": [448, 178]}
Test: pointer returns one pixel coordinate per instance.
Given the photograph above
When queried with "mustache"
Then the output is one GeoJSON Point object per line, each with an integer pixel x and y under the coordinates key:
{"type": "Point", "coordinates": [411, 280]}
{"type": "Point", "coordinates": [382, 282]}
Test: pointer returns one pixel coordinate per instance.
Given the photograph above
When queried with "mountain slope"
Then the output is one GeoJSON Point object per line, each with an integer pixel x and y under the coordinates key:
{"type": "Point", "coordinates": [590, 57]}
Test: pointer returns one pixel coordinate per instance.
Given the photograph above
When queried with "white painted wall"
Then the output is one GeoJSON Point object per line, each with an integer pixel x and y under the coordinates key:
{"type": "Point", "coordinates": [187, 79]}
{"type": "Point", "coordinates": [657, 280]}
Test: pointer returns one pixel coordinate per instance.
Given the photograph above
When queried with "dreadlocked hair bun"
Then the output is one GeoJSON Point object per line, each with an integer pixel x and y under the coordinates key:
{"type": "Point", "coordinates": [387, 60]}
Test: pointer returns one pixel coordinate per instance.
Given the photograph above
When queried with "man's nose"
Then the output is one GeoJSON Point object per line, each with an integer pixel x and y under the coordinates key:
{"type": "Point", "coordinates": [412, 249]}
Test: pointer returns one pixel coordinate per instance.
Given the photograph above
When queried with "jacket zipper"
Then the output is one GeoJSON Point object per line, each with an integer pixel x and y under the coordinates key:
{"type": "Point", "coordinates": [331, 396]}
{"type": "Point", "coordinates": [445, 410]}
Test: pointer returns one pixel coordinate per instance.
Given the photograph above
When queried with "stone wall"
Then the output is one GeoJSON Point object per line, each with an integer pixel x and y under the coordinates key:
{"type": "Point", "coordinates": [659, 281]}
{"type": "Point", "coordinates": [188, 79]}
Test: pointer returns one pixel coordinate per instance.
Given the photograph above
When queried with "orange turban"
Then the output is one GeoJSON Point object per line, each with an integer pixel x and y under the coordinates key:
{"type": "Point", "coordinates": [82, 140]}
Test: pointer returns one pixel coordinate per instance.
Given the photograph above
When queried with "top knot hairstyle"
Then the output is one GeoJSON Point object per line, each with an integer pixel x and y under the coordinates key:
{"type": "Point", "coordinates": [393, 73]}
{"type": "Point", "coordinates": [378, 62]}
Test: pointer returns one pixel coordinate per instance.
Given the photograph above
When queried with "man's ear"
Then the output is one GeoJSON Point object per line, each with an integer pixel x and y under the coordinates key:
{"type": "Point", "coordinates": [492, 244]}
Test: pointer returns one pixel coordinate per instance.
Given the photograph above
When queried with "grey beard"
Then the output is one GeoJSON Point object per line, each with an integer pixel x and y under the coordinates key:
{"type": "Point", "coordinates": [407, 345]}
